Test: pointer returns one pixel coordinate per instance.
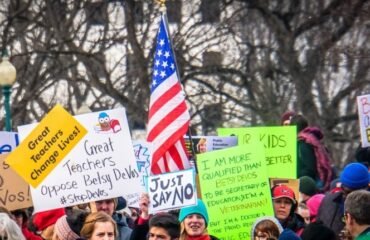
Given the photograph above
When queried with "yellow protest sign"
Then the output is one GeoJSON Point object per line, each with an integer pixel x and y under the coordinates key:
{"type": "Point", "coordinates": [41, 151]}
{"type": "Point", "coordinates": [235, 189]}
{"type": "Point", "coordinates": [14, 191]}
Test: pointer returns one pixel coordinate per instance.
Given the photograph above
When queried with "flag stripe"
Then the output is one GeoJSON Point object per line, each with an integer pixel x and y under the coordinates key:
{"type": "Point", "coordinates": [167, 120]}
{"type": "Point", "coordinates": [171, 93]}
{"type": "Point", "coordinates": [161, 89]}
{"type": "Point", "coordinates": [163, 144]}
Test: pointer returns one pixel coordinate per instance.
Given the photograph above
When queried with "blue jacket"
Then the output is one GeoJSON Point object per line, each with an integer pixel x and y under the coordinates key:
{"type": "Point", "coordinates": [124, 232]}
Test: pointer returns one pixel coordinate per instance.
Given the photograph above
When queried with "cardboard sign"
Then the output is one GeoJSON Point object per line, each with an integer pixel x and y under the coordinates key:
{"type": "Point", "coordinates": [204, 144]}
{"type": "Point", "coordinates": [235, 189]}
{"type": "Point", "coordinates": [8, 141]}
{"type": "Point", "coordinates": [363, 105]}
{"type": "Point", "coordinates": [14, 191]}
{"type": "Point", "coordinates": [280, 145]}
{"type": "Point", "coordinates": [102, 165]}
{"type": "Point", "coordinates": [49, 142]}
{"type": "Point", "coordinates": [172, 191]}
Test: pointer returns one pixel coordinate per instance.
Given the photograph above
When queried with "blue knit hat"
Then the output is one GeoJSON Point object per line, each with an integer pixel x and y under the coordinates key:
{"type": "Point", "coordinates": [355, 176]}
{"type": "Point", "coordinates": [200, 209]}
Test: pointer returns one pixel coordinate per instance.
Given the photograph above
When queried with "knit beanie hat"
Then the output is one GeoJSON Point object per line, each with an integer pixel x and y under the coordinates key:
{"type": "Point", "coordinates": [42, 220]}
{"type": "Point", "coordinates": [63, 230]}
{"type": "Point", "coordinates": [288, 234]}
{"type": "Point", "coordinates": [313, 204]}
{"type": "Point", "coordinates": [200, 209]}
{"type": "Point", "coordinates": [355, 176]}
{"type": "Point", "coordinates": [287, 116]}
{"type": "Point", "coordinates": [307, 186]}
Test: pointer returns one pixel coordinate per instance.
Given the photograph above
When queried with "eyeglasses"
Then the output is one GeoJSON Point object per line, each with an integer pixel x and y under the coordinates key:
{"type": "Point", "coordinates": [344, 218]}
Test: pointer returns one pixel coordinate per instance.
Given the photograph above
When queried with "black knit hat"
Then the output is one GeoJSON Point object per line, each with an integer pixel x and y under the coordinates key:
{"type": "Point", "coordinates": [307, 186]}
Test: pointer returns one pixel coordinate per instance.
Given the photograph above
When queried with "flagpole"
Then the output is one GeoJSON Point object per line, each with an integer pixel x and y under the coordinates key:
{"type": "Point", "coordinates": [163, 10]}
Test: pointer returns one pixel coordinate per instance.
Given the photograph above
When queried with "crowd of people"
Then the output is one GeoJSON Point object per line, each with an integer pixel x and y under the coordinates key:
{"type": "Point", "coordinates": [327, 207]}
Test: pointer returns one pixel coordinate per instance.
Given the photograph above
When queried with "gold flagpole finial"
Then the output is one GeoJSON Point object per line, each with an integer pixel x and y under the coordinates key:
{"type": "Point", "coordinates": [162, 3]}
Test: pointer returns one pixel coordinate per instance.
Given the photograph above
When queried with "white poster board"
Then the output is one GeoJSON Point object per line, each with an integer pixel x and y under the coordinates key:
{"type": "Point", "coordinates": [363, 104]}
{"type": "Point", "coordinates": [172, 190]}
{"type": "Point", "coordinates": [102, 165]}
{"type": "Point", "coordinates": [142, 150]}
{"type": "Point", "coordinates": [8, 141]}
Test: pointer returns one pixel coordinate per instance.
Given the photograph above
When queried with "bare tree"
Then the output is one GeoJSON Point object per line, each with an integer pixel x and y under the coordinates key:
{"type": "Point", "coordinates": [241, 62]}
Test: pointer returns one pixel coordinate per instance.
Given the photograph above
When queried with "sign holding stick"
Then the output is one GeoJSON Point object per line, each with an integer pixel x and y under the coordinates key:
{"type": "Point", "coordinates": [172, 190]}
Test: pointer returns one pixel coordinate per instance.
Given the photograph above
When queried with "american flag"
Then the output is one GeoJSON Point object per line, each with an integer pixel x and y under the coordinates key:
{"type": "Point", "coordinates": [168, 114]}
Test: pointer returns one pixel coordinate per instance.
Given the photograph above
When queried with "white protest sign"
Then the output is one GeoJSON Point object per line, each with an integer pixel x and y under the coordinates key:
{"type": "Point", "coordinates": [363, 104]}
{"type": "Point", "coordinates": [204, 144]}
{"type": "Point", "coordinates": [102, 165]}
{"type": "Point", "coordinates": [8, 141]}
{"type": "Point", "coordinates": [172, 190]}
{"type": "Point", "coordinates": [142, 150]}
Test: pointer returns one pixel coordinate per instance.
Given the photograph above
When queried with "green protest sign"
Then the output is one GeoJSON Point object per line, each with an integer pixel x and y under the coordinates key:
{"type": "Point", "coordinates": [235, 189]}
{"type": "Point", "coordinates": [280, 145]}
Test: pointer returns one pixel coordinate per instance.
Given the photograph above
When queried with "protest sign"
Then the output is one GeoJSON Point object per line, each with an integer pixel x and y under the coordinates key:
{"type": "Point", "coordinates": [203, 144]}
{"type": "Point", "coordinates": [235, 189]}
{"type": "Point", "coordinates": [142, 150]}
{"type": "Point", "coordinates": [172, 190]}
{"type": "Point", "coordinates": [363, 105]}
{"type": "Point", "coordinates": [48, 143]}
{"type": "Point", "coordinates": [14, 191]}
{"type": "Point", "coordinates": [280, 145]}
{"type": "Point", "coordinates": [102, 165]}
{"type": "Point", "coordinates": [8, 141]}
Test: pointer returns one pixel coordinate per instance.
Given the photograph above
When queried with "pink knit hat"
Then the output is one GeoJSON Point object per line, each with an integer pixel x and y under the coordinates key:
{"type": "Point", "coordinates": [63, 230]}
{"type": "Point", "coordinates": [313, 204]}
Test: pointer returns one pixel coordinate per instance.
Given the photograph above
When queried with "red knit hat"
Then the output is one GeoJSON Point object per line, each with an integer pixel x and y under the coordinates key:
{"type": "Point", "coordinates": [42, 220]}
{"type": "Point", "coordinates": [287, 116]}
{"type": "Point", "coordinates": [281, 191]}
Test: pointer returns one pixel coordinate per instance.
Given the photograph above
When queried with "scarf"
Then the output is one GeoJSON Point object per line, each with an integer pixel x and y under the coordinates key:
{"type": "Point", "coordinates": [312, 136]}
{"type": "Point", "coordinates": [203, 237]}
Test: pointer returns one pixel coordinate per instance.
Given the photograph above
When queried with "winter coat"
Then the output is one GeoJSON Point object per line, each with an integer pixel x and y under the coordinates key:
{"type": "Point", "coordinates": [124, 232]}
{"type": "Point", "coordinates": [331, 211]}
{"type": "Point", "coordinates": [295, 223]}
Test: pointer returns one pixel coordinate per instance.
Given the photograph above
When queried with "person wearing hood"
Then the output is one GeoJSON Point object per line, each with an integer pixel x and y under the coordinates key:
{"type": "Point", "coordinates": [285, 204]}
{"type": "Point", "coordinates": [266, 228]}
{"type": "Point", "coordinates": [193, 223]}
{"type": "Point", "coordinates": [313, 159]}
{"type": "Point", "coordinates": [109, 206]}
